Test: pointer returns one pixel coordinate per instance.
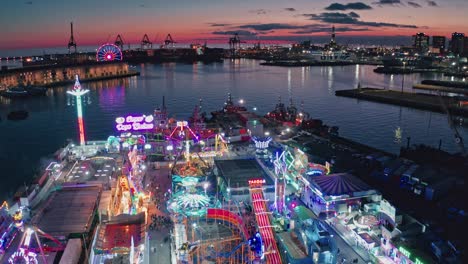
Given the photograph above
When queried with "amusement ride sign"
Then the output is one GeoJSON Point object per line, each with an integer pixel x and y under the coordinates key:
{"type": "Point", "coordinates": [134, 123]}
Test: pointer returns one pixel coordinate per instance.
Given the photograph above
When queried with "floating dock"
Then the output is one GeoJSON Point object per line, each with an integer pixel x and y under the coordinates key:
{"type": "Point", "coordinates": [456, 105]}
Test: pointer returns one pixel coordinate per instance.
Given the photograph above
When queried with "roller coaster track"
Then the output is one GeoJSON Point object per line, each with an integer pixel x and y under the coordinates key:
{"type": "Point", "coordinates": [264, 226]}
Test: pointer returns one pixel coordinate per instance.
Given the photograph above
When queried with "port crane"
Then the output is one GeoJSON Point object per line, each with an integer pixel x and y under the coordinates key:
{"type": "Point", "coordinates": [234, 45]}
{"type": "Point", "coordinates": [458, 137]}
{"type": "Point", "coordinates": [146, 43]}
{"type": "Point", "coordinates": [168, 42]}
{"type": "Point", "coordinates": [119, 42]}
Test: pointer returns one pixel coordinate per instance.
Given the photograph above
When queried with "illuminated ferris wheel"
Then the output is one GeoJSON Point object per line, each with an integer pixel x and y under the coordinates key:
{"type": "Point", "coordinates": [109, 52]}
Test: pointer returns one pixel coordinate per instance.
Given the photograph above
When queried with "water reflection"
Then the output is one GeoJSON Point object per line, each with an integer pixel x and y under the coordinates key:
{"type": "Point", "coordinates": [330, 80]}
{"type": "Point", "coordinates": [51, 122]}
{"type": "Point", "coordinates": [112, 97]}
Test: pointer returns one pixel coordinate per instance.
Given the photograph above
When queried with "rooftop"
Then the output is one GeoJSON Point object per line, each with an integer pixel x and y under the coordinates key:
{"type": "Point", "coordinates": [238, 172]}
{"type": "Point", "coordinates": [341, 184]}
{"type": "Point", "coordinates": [93, 169]}
{"type": "Point", "coordinates": [69, 210]}
{"type": "Point", "coordinates": [116, 235]}
{"type": "Point", "coordinates": [210, 230]}
{"type": "Point", "coordinates": [291, 245]}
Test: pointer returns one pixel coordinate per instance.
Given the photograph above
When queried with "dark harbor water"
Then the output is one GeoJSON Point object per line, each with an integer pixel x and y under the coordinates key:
{"type": "Point", "coordinates": [51, 121]}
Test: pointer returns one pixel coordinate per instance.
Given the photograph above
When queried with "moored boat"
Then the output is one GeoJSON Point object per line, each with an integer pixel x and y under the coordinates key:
{"type": "Point", "coordinates": [18, 115]}
{"type": "Point", "coordinates": [24, 91]}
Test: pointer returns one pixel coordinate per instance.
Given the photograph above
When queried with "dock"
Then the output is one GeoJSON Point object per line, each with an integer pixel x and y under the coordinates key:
{"type": "Point", "coordinates": [456, 105]}
{"type": "Point", "coordinates": [63, 74]}
{"type": "Point", "coordinates": [436, 88]}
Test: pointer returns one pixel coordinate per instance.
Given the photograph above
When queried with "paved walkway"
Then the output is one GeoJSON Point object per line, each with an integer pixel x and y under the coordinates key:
{"type": "Point", "coordinates": [159, 238]}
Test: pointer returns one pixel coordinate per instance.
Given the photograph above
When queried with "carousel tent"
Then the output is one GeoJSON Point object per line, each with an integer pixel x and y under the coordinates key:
{"type": "Point", "coordinates": [341, 184]}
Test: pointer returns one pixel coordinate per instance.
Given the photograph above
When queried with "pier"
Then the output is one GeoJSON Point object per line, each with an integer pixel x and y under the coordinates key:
{"type": "Point", "coordinates": [456, 105]}
{"type": "Point", "coordinates": [56, 75]}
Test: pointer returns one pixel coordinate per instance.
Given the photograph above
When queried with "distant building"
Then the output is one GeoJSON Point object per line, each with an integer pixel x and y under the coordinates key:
{"type": "Point", "coordinates": [438, 43]}
{"type": "Point", "coordinates": [465, 47]}
{"type": "Point", "coordinates": [421, 41]}
{"type": "Point", "coordinates": [457, 43]}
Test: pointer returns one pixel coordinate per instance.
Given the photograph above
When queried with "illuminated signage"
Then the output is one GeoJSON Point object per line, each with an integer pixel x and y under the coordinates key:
{"type": "Point", "coordinates": [261, 143]}
{"type": "Point", "coordinates": [407, 253]}
{"type": "Point", "coordinates": [182, 123]}
{"type": "Point", "coordinates": [134, 123]}
{"type": "Point", "coordinates": [257, 181]}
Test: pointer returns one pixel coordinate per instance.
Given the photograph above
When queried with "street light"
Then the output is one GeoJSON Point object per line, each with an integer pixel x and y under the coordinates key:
{"type": "Point", "coordinates": [403, 77]}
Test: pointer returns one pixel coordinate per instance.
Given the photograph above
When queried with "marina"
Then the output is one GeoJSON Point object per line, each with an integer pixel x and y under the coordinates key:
{"type": "Point", "coordinates": [233, 133]}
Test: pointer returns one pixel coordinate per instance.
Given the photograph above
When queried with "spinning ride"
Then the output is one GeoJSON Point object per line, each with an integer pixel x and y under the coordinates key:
{"type": "Point", "coordinates": [30, 246]}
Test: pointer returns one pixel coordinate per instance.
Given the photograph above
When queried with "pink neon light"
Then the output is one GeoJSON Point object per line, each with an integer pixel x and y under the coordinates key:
{"type": "Point", "coordinates": [181, 127]}
{"type": "Point", "coordinates": [134, 123]}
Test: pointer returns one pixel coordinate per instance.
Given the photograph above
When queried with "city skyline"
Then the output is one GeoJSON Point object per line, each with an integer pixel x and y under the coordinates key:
{"type": "Point", "coordinates": [46, 23]}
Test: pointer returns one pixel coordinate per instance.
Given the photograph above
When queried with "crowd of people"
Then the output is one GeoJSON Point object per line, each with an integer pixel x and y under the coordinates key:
{"type": "Point", "coordinates": [159, 221]}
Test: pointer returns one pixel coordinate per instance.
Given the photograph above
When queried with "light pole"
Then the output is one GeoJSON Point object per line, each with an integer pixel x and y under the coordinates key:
{"type": "Point", "coordinates": [78, 92]}
{"type": "Point", "coordinates": [403, 77]}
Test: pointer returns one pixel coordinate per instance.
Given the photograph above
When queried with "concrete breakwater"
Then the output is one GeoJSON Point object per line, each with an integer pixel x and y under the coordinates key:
{"type": "Point", "coordinates": [456, 105]}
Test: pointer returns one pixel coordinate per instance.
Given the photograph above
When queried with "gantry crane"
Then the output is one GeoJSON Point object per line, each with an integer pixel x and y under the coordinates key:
{"type": "Point", "coordinates": [168, 42]}
{"type": "Point", "coordinates": [146, 43]}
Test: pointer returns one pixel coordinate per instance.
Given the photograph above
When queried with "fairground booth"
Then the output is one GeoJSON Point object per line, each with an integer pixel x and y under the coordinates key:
{"type": "Point", "coordinates": [121, 239]}
{"type": "Point", "coordinates": [335, 193]}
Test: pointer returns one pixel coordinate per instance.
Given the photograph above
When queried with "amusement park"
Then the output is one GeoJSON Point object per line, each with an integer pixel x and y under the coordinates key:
{"type": "Point", "coordinates": [232, 188]}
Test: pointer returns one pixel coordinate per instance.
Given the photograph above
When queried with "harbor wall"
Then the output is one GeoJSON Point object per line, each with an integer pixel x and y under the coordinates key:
{"type": "Point", "coordinates": [55, 75]}
{"type": "Point", "coordinates": [415, 100]}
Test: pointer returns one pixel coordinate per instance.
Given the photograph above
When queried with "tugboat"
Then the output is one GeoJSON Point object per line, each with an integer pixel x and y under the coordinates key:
{"type": "Point", "coordinates": [18, 115]}
{"type": "Point", "coordinates": [24, 91]}
{"type": "Point", "coordinates": [229, 108]}
{"type": "Point", "coordinates": [287, 115]}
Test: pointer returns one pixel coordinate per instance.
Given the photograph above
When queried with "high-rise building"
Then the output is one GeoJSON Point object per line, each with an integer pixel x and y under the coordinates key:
{"type": "Point", "coordinates": [465, 47]}
{"type": "Point", "coordinates": [457, 43]}
{"type": "Point", "coordinates": [438, 42]}
{"type": "Point", "coordinates": [421, 41]}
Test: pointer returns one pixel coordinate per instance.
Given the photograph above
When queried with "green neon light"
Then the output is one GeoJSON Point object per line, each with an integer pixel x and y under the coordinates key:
{"type": "Point", "coordinates": [417, 261]}
{"type": "Point", "coordinates": [405, 252]}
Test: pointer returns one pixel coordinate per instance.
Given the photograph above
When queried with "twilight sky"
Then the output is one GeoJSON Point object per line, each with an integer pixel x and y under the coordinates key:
{"type": "Point", "coordinates": [45, 23]}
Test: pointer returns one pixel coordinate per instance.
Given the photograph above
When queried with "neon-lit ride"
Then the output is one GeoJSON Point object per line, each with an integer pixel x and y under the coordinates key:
{"type": "Point", "coordinates": [294, 166]}
{"type": "Point", "coordinates": [263, 222]}
{"type": "Point", "coordinates": [109, 52]}
{"type": "Point", "coordinates": [256, 245]}
{"type": "Point", "coordinates": [8, 229]}
{"type": "Point", "coordinates": [182, 132]}
{"type": "Point", "coordinates": [261, 146]}
{"type": "Point", "coordinates": [30, 246]}
{"type": "Point", "coordinates": [191, 192]}
{"type": "Point", "coordinates": [78, 92]}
